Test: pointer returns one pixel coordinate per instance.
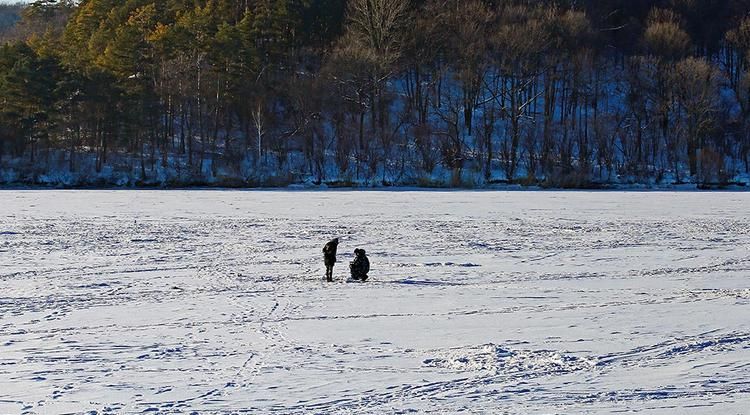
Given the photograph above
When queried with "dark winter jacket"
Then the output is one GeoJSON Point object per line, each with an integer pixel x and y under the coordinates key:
{"type": "Point", "coordinates": [329, 252]}
{"type": "Point", "coordinates": [360, 266]}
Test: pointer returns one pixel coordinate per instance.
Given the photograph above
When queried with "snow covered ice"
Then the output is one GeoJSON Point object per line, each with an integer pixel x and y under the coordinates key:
{"type": "Point", "coordinates": [478, 302]}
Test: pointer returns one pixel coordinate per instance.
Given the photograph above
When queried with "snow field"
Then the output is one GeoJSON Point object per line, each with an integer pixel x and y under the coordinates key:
{"type": "Point", "coordinates": [479, 302]}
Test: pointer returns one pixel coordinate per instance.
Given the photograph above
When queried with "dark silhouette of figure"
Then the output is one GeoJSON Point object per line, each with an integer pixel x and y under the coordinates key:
{"type": "Point", "coordinates": [360, 266]}
{"type": "Point", "coordinates": [329, 257]}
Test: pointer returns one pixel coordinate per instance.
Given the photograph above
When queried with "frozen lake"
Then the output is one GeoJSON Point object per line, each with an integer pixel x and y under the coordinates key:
{"type": "Point", "coordinates": [479, 302]}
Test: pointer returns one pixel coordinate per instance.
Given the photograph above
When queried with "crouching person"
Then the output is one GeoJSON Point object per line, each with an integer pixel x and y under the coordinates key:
{"type": "Point", "coordinates": [360, 266]}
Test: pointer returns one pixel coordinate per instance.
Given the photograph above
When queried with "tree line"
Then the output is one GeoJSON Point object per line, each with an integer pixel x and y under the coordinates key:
{"type": "Point", "coordinates": [377, 92]}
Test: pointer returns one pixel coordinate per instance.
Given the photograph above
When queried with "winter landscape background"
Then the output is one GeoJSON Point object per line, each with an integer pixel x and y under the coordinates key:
{"type": "Point", "coordinates": [213, 301]}
{"type": "Point", "coordinates": [375, 93]}
{"type": "Point", "coordinates": [479, 302]}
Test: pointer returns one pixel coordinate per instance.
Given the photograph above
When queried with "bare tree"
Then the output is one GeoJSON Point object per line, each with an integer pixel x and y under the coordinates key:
{"type": "Point", "coordinates": [521, 36]}
{"type": "Point", "coordinates": [374, 26]}
{"type": "Point", "coordinates": [260, 130]}
{"type": "Point", "coordinates": [365, 59]}
{"type": "Point", "coordinates": [696, 87]}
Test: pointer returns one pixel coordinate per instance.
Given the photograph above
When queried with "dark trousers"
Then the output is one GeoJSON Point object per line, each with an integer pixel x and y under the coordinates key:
{"type": "Point", "coordinates": [329, 271]}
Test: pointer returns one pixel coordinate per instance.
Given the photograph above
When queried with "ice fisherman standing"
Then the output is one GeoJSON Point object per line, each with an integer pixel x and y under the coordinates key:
{"type": "Point", "coordinates": [329, 257]}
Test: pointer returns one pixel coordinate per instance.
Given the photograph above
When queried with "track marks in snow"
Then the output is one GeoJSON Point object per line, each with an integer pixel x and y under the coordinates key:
{"type": "Point", "coordinates": [491, 373]}
{"type": "Point", "coordinates": [495, 360]}
{"type": "Point", "coordinates": [477, 303]}
{"type": "Point", "coordinates": [657, 354]}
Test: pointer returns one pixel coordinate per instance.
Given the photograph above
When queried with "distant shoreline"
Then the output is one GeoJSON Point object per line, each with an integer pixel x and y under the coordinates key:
{"type": "Point", "coordinates": [686, 187]}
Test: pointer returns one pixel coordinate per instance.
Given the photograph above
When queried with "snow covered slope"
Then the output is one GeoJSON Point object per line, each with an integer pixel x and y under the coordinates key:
{"type": "Point", "coordinates": [482, 302]}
